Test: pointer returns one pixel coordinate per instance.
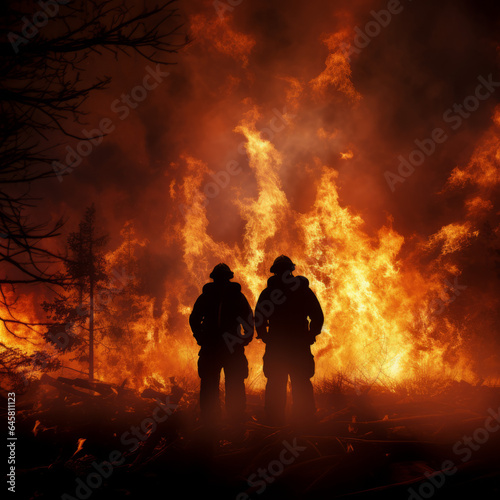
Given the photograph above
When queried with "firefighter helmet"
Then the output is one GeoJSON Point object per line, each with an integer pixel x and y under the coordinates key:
{"type": "Point", "coordinates": [281, 264]}
{"type": "Point", "coordinates": [221, 271]}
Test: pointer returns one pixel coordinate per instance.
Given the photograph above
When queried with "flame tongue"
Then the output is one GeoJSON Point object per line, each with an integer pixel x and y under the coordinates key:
{"type": "Point", "coordinates": [80, 446]}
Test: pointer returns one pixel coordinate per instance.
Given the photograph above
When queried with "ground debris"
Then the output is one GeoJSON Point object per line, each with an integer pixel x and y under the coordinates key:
{"type": "Point", "coordinates": [135, 443]}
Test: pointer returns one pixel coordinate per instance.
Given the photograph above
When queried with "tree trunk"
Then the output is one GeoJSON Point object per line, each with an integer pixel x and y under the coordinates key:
{"type": "Point", "coordinates": [91, 306]}
{"type": "Point", "coordinates": [91, 330]}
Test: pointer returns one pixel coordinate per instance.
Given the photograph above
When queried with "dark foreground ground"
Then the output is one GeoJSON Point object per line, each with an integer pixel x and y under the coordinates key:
{"type": "Point", "coordinates": [364, 444]}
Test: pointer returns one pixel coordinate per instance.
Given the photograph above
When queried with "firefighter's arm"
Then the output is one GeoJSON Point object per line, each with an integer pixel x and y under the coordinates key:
{"type": "Point", "coordinates": [316, 317]}
{"type": "Point", "coordinates": [262, 323]}
{"type": "Point", "coordinates": [196, 320]}
{"type": "Point", "coordinates": [246, 320]}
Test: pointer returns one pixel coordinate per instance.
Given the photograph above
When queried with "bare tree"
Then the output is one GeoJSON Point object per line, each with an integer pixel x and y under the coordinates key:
{"type": "Point", "coordinates": [43, 86]}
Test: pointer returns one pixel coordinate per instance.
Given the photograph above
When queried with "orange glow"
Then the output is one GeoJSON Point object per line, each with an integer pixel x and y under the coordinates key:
{"type": "Point", "coordinates": [482, 169]}
{"type": "Point", "coordinates": [477, 206]}
{"type": "Point", "coordinates": [347, 156]}
{"type": "Point", "coordinates": [337, 73]}
{"type": "Point", "coordinates": [217, 33]}
{"type": "Point", "coordinates": [453, 237]}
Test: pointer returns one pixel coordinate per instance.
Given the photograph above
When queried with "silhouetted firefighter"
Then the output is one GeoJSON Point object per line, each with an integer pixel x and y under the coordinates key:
{"type": "Point", "coordinates": [288, 317]}
{"type": "Point", "coordinates": [218, 314]}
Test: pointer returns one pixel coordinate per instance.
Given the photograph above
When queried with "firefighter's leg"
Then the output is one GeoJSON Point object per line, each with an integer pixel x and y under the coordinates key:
{"type": "Point", "coordinates": [235, 372]}
{"type": "Point", "coordinates": [275, 398]}
{"type": "Point", "coordinates": [209, 368]}
{"type": "Point", "coordinates": [303, 405]}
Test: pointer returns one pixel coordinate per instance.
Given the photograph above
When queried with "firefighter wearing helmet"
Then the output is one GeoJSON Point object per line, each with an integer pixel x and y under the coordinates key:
{"type": "Point", "coordinates": [288, 317]}
{"type": "Point", "coordinates": [222, 324]}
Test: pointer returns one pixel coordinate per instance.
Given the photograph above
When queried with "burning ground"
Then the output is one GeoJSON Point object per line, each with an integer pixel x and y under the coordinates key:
{"type": "Point", "coordinates": [78, 439]}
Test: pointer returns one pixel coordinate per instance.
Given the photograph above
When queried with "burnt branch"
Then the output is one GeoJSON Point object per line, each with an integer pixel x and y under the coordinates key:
{"type": "Point", "coordinates": [44, 85]}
